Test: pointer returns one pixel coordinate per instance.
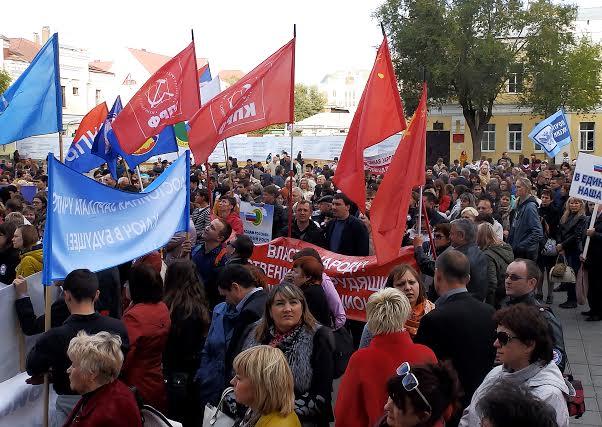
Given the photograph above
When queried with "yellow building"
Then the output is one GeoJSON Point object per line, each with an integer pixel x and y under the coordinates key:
{"type": "Point", "coordinates": [507, 131]}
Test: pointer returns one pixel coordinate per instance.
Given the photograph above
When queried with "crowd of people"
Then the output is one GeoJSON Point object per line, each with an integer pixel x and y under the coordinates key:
{"type": "Point", "coordinates": [466, 335]}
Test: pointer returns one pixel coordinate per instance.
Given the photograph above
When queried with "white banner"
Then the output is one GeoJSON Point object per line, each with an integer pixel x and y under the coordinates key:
{"type": "Point", "coordinates": [587, 179]}
{"type": "Point", "coordinates": [379, 163]}
{"type": "Point", "coordinates": [22, 404]}
{"type": "Point", "coordinates": [38, 147]}
{"type": "Point", "coordinates": [257, 220]}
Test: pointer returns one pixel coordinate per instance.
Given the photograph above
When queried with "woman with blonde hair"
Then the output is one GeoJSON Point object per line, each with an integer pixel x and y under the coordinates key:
{"type": "Point", "coordinates": [96, 361]}
{"type": "Point", "coordinates": [362, 392]}
{"type": "Point", "coordinates": [264, 383]}
{"type": "Point", "coordinates": [499, 254]}
{"type": "Point", "coordinates": [569, 240]}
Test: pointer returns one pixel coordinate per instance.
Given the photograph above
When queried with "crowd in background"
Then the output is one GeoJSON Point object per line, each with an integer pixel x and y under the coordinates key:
{"type": "Point", "coordinates": [464, 339]}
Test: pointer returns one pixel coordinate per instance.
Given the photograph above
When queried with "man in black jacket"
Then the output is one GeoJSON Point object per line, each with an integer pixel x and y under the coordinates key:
{"type": "Point", "coordinates": [463, 236]}
{"type": "Point", "coordinates": [345, 234]}
{"type": "Point", "coordinates": [522, 277]}
{"type": "Point", "coordinates": [460, 328]}
{"type": "Point", "coordinates": [303, 228]}
{"type": "Point", "coordinates": [49, 354]}
{"type": "Point", "coordinates": [238, 287]}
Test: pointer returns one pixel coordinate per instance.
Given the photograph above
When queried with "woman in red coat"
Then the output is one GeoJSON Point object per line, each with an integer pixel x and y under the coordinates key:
{"type": "Point", "coordinates": [148, 322]}
{"type": "Point", "coordinates": [106, 401]}
{"type": "Point", "coordinates": [363, 389]}
{"type": "Point", "coordinates": [227, 209]}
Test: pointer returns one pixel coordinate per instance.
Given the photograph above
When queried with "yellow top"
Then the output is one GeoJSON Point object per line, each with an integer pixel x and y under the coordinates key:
{"type": "Point", "coordinates": [276, 420]}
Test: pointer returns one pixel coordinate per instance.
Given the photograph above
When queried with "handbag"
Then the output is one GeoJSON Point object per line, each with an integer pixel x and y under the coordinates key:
{"type": "Point", "coordinates": [343, 349]}
{"type": "Point", "coordinates": [562, 273]}
{"type": "Point", "coordinates": [549, 248]}
{"type": "Point", "coordinates": [214, 415]}
{"type": "Point", "coordinates": [582, 285]}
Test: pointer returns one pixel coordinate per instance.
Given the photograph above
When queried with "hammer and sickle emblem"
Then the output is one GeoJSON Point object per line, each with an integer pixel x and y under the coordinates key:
{"type": "Point", "coordinates": [158, 98]}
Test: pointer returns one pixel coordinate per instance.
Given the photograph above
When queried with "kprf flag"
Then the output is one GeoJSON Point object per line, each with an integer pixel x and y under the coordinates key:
{"type": "Point", "coordinates": [33, 104]}
{"type": "Point", "coordinates": [263, 97]}
{"type": "Point", "coordinates": [168, 97]}
{"type": "Point", "coordinates": [103, 145]}
{"type": "Point", "coordinates": [163, 143]}
{"type": "Point", "coordinates": [79, 156]}
{"type": "Point", "coordinates": [552, 133]}
{"type": "Point", "coordinates": [389, 210]}
{"type": "Point", "coordinates": [90, 225]}
{"type": "Point", "coordinates": [378, 116]}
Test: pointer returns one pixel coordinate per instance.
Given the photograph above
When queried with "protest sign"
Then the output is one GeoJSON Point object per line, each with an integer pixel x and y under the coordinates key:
{"type": "Point", "coordinates": [587, 179]}
{"type": "Point", "coordinates": [90, 225]}
{"type": "Point", "coordinates": [22, 404]}
{"type": "Point", "coordinates": [257, 220]}
{"type": "Point", "coordinates": [355, 278]}
{"type": "Point", "coordinates": [552, 133]}
{"type": "Point", "coordinates": [379, 163]}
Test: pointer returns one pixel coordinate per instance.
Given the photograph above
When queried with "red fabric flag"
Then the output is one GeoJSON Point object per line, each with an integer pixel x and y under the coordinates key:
{"type": "Point", "coordinates": [91, 122]}
{"type": "Point", "coordinates": [263, 97]}
{"type": "Point", "coordinates": [378, 116]}
{"type": "Point", "coordinates": [168, 97]}
{"type": "Point", "coordinates": [389, 211]}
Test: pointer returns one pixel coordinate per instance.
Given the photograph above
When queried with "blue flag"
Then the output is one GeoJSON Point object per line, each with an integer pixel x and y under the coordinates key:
{"type": "Point", "coordinates": [102, 146]}
{"type": "Point", "coordinates": [163, 143]}
{"type": "Point", "coordinates": [90, 225]}
{"type": "Point", "coordinates": [552, 133]}
{"type": "Point", "coordinates": [33, 105]}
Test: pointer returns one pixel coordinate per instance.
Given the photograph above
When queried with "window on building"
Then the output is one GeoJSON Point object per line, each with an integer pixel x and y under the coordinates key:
{"type": "Point", "coordinates": [586, 136]}
{"type": "Point", "coordinates": [63, 96]}
{"type": "Point", "coordinates": [515, 137]}
{"type": "Point", "coordinates": [98, 96]}
{"type": "Point", "coordinates": [515, 79]}
{"type": "Point", "coordinates": [75, 91]}
{"type": "Point", "coordinates": [488, 139]}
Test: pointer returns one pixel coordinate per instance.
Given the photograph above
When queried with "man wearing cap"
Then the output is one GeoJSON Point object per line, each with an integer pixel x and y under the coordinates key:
{"type": "Point", "coordinates": [324, 212]}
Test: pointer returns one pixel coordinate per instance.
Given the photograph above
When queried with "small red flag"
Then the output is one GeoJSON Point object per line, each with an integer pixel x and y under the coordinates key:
{"type": "Point", "coordinates": [263, 97]}
{"type": "Point", "coordinates": [91, 122]}
{"type": "Point", "coordinates": [168, 97]}
{"type": "Point", "coordinates": [378, 116]}
{"type": "Point", "coordinates": [389, 211]}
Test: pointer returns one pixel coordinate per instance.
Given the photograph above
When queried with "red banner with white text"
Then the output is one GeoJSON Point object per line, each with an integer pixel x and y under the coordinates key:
{"type": "Point", "coordinates": [355, 278]}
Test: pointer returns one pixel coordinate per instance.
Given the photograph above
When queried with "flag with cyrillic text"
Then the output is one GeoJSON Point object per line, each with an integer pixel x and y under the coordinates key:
{"type": "Point", "coordinates": [79, 156]}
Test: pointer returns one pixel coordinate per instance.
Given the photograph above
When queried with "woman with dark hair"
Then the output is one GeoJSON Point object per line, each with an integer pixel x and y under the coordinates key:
{"type": "Point", "coordinates": [308, 347]}
{"type": "Point", "coordinates": [422, 396]}
{"type": "Point", "coordinates": [147, 322]}
{"type": "Point", "coordinates": [39, 203]}
{"type": "Point", "coordinates": [444, 198]}
{"type": "Point", "coordinates": [185, 299]}
{"type": "Point", "coordinates": [226, 208]}
{"type": "Point", "coordinates": [408, 281]}
{"type": "Point", "coordinates": [307, 275]}
{"type": "Point", "coordinates": [25, 240]}
{"type": "Point", "coordinates": [524, 348]}
{"type": "Point", "coordinates": [9, 256]}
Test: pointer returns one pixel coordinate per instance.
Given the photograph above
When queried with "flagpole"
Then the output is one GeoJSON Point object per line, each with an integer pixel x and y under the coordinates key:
{"type": "Point", "coordinates": [139, 177]}
{"type": "Point", "coordinates": [227, 156]}
{"type": "Point", "coordinates": [291, 173]}
{"type": "Point", "coordinates": [420, 201]}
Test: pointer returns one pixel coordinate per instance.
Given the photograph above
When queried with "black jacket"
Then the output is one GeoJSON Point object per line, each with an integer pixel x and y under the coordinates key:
{"type": "Point", "coordinates": [250, 313]}
{"type": "Point", "coordinates": [32, 325]}
{"type": "Point", "coordinates": [280, 219]}
{"type": "Point", "coordinates": [354, 238]}
{"type": "Point", "coordinates": [9, 259]}
{"type": "Point", "coordinates": [317, 303]}
{"type": "Point", "coordinates": [570, 234]}
{"type": "Point", "coordinates": [462, 330]}
{"type": "Point", "coordinates": [477, 285]}
{"type": "Point", "coordinates": [553, 323]}
{"type": "Point", "coordinates": [109, 300]}
{"type": "Point", "coordinates": [312, 233]}
{"type": "Point", "coordinates": [50, 351]}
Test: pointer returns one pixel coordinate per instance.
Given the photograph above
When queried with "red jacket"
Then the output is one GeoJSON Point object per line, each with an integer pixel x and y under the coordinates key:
{"type": "Point", "coordinates": [112, 405]}
{"type": "Point", "coordinates": [148, 328]}
{"type": "Point", "coordinates": [236, 223]}
{"type": "Point", "coordinates": [363, 389]}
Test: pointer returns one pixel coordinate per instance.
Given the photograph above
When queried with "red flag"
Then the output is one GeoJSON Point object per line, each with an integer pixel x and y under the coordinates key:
{"type": "Point", "coordinates": [168, 97]}
{"type": "Point", "coordinates": [389, 210]}
{"type": "Point", "coordinates": [378, 116]}
{"type": "Point", "coordinates": [263, 97]}
{"type": "Point", "coordinates": [91, 122]}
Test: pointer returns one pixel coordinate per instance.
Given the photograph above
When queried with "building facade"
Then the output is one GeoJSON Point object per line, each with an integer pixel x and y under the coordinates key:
{"type": "Point", "coordinates": [343, 89]}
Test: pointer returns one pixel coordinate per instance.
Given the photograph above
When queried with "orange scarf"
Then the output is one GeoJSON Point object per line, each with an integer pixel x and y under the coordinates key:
{"type": "Point", "coordinates": [417, 312]}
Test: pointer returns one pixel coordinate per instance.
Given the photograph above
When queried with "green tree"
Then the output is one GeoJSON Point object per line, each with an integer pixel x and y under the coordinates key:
{"type": "Point", "coordinates": [470, 48]}
{"type": "Point", "coordinates": [308, 101]}
{"type": "Point", "coordinates": [4, 81]}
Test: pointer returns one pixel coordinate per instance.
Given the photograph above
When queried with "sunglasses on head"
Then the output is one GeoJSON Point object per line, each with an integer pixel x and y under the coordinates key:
{"type": "Point", "coordinates": [504, 338]}
{"type": "Point", "coordinates": [410, 382]}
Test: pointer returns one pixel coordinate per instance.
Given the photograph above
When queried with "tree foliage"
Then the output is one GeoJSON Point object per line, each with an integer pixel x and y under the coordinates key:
{"type": "Point", "coordinates": [308, 101]}
{"type": "Point", "coordinates": [470, 47]}
{"type": "Point", "coordinates": [4, 81]}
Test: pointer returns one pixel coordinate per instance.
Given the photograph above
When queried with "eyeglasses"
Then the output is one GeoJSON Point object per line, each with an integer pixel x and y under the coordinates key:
{"type": "Point", "coordinates": [504, 338]}
{"type": "Point", "coordinates": [410, 382]}
{"type": "Point", "coordinates": [513, 277]}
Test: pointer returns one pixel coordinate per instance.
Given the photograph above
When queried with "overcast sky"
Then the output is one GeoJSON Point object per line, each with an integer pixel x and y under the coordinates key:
{"type": "Point", "coordinates": [331, 34]}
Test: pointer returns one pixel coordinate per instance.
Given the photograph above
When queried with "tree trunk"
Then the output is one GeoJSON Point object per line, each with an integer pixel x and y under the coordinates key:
{"type": "Point", "coordinates": [476, 120]}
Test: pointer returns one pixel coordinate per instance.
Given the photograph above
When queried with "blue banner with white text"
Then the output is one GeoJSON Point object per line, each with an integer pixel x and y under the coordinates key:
{"type": "Point", "coordinates": [90, 225]}
{"type": "Point", "coordinates": [552, 133]}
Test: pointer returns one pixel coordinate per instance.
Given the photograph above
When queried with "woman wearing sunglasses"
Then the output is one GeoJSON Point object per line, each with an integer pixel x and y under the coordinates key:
{"type": "Point", "coordinates": [362, 390]}
{"type": "Point", "coordinates": [423, 395]}
{"type": "Point", "coordinates": [524, 347]}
